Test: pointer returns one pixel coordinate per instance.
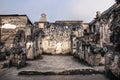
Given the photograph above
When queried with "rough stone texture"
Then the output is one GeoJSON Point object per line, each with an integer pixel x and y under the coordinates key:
{"type": "Point", "coordinates": [58, 35]}
{"type": "Point", "coordinates": [109, 30]}
{"type": "Point", "coordinates": [56, 40]}
{"type": "Point", "coordinates": [103, 30]}
{"type": "Point", "coordinates": [10, 24]}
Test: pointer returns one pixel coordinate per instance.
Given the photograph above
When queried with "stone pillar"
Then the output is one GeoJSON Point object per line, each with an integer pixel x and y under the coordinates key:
{"type": "Point", "coordinates": [101, 36]}
{"type": "Point", "coordinates": [29, 47]}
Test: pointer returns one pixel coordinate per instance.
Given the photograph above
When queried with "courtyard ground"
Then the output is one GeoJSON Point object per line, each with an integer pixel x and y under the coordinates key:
{"type": "Point", "coordinates": [51, 63]}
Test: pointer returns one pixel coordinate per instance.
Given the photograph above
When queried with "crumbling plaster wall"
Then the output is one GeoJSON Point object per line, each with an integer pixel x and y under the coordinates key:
{"type": "Point", "coordinates": [56, 40]}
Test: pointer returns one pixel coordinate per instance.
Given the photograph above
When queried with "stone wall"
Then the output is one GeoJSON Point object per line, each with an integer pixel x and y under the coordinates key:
{"type": "Point", "coordinates": [10, 24]}
{"type": "Point", "coordinates": [101, 33]}
{"type": "Point", "coordinates": [57, 39]}
{"type": "Point", "coordinates": [57, 36]}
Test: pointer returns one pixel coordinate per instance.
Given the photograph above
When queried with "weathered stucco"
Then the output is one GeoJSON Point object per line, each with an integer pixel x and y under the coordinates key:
{"type": "Point", "coordinates": [56, 47]}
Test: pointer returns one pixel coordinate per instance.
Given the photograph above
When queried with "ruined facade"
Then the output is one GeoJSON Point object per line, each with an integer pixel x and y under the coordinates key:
{"type": "Point", "coordinates": [10, 24]}
{"type": "Point", "coordinates": [57, 37]}
{"type": "Point", "coordinates": [100, 42]}
{"type": "Point", "coordinates": [101, 31]}
{"type": "Point", "coordinates": [15, 30]}
{"type": "Point", "coordinates": [97, 42]}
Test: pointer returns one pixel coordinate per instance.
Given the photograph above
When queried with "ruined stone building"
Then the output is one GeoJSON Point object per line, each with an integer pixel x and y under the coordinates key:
{"type": "Point", "coordinates": [97, 42]}
{"type": "Point", "coordinates": [102, 31]}
{"type": "Point", "coordinates": [58, 36]}
{"type": "Point", "coordinates": [84, 40]}
{"type": "Point", "coordinates": [10, 24]}
{"type": "Point", "coordinates": [44, 37]}
{"type": "Point", "coordinates": [15, 30]}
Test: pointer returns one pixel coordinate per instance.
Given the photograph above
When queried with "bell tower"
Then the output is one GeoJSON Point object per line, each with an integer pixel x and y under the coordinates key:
{"type": "Point", "coordinates": [42, 22]}
{"type": "Point", "coordinates": [43, 17]}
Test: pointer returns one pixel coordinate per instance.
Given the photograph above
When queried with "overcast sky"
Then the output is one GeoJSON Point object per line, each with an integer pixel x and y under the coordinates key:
{"type": "Point", "coordinates": [56, 9]}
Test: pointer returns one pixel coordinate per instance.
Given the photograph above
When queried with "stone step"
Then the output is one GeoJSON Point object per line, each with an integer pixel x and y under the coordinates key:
{"type": "Point", "coordinates": [63, 72]}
